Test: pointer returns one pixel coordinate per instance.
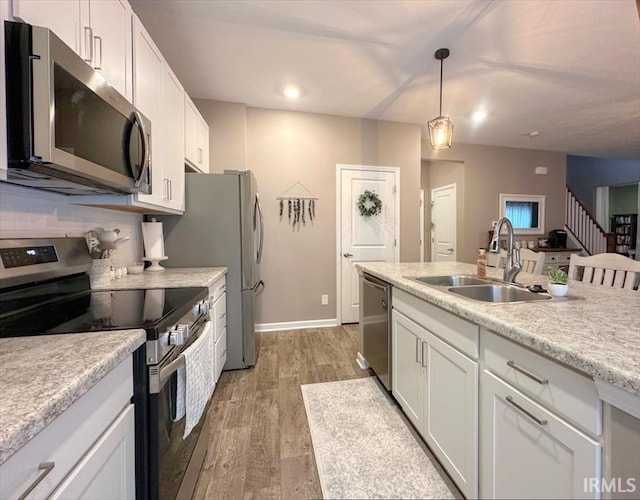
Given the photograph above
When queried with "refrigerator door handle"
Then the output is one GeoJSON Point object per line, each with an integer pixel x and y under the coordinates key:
{"type": "Point", "coordinates": [258, 211]}
{"type": "Point", "coordinates": [257, 287]}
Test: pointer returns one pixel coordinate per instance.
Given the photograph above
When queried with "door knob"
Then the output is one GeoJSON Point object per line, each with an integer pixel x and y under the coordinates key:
{"type": "Point", "coordinates": [450, 249]}
{"type": "Point", "coordinates": [347, 254]}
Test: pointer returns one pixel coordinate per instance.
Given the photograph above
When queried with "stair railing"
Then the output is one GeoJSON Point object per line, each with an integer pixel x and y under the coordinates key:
{"type": "Point", "coordinates": [584, 228]}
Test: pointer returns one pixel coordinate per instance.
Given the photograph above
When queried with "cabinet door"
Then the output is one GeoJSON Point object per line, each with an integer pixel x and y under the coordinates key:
{"type": "Point", "coordinates": [108, 469]}
{"type": "Point", "coordinates": [148, 72]}
{"type": "Point", "coordinates": [172, 134]}
{"type": "Point", "coordinates": [203, 145]}
{"type": "Point", "coordinates": [451, 412]}
{"type": "Point", "coordinates": [408, 373]}
{"type": "Point", "coordinates": [190, 131]}
{"type": "Point", "coordinates": [111, 25]}
{"type": "Point", "coordinates": [60, 16]}
{"type": "Point", "coordinates": [525, 449]}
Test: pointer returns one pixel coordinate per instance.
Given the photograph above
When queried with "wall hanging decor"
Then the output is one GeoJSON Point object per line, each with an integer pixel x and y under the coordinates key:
{"type": "Point", "coordinates": [300, 205]}
{"type": "Point", "coordinates": [369, 204]}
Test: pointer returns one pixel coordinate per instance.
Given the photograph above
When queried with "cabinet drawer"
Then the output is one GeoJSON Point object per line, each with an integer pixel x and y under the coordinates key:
{"type": "Point", "coordinates": [561, 389]}
{"type": "Point", "coordinates": [456, 331]}
{"type": "Point", "coordinates": [220, 354]}
{"type": "Point", "coordinates": [220, 312]}
{"type": "Point", "coordinates": [528, 452]}
{"type": "Point", "coordinates": [65, 440]}
{"type": "Point", "coordinates": [218, 288]}
{"type": "Point", "coordinates": [557, 258]}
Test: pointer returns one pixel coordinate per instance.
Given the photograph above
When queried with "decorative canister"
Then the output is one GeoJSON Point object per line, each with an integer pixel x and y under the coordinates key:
{"type": "Point", "coordinates": [100, 273]}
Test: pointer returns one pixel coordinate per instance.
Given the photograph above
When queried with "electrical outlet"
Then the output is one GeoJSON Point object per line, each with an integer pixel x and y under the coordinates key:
{"type": "Point", "coordinates": [324, 300]}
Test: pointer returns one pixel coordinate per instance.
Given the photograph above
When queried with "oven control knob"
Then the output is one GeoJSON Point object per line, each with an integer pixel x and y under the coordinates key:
{"type": "Point", "coordinates": [176, 338]}
{"type": "Point", "coordinates": [185, 331]}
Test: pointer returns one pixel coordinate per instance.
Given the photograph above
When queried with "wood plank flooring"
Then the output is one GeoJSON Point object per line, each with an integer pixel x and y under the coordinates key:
{"type": "Point", "coordinates": [259, 444]}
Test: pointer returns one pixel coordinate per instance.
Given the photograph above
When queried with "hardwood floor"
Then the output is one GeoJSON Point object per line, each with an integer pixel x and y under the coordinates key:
{"type": "Point", "coordinates": [259, 445]}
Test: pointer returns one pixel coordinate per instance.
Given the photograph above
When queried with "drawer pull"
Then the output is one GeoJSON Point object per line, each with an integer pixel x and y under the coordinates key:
{"type": "Point", "coordinates": [223, 315]}
{"type": "Point", "coordinates": [537, 420]}
{"type": "Point", "coordinates": [418, 343]}
{"type": "Point", "coordinates": [535, 378]}
{"type": "Point", "coordinates": [45, 467]}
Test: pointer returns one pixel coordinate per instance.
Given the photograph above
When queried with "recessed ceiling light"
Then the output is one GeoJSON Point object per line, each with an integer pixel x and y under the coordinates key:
{"type": "Point", "coordinates": [479, 116]}
{"type": "Point", "coordinates": [534, 133]}
{"type": "Point", "coordinates": [291, 92]}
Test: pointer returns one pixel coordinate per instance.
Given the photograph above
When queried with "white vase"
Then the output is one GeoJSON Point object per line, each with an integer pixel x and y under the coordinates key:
{"type": "Point", "coordinates": [100, 273]}
{"type": "Point", "coordinates": [558, 289]}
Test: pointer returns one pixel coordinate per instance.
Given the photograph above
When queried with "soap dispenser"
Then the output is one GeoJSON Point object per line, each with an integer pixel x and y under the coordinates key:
{"type": "Point", "coordinates": [481, 268]}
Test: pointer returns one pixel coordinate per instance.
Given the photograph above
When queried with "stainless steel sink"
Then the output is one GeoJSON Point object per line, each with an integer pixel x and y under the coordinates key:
{"type": "Point", "coordinates": [452, 280]}
{"type": "Point", "coordinates": [497, 293]}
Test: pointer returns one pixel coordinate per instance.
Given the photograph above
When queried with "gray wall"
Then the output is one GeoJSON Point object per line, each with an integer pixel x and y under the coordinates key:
{"type": "Point", "coordinates": [489, 171]}
{"type": "Point", "coordinates": [284, 147]}
{"type": "Point", "coordinates": [585, 174]}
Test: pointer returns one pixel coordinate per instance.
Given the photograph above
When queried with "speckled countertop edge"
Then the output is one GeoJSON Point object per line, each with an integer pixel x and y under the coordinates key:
{"type": "Point", "coordinates": [40, 377]}
{"type": "Point", "coordinates": [171, 277]}
{"type": "Point", "coordinates": [595, 330]}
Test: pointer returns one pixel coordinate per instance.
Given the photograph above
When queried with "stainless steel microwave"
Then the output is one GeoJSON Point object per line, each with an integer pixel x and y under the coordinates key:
{"type": "Point", "coordinates": [68, 130]}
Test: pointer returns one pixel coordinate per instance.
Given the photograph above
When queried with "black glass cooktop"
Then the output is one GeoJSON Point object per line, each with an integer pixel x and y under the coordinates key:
{"type": "Point", "coordinates": [69, 307]}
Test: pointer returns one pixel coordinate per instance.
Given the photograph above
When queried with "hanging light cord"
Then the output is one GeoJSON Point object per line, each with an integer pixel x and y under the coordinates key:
{"type": "Point", "coordinates": [441, 61]}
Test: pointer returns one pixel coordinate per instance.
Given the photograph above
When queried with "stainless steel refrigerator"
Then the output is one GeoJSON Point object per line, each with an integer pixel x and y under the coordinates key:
{"type": "Point", "coordinates": [223, 226]}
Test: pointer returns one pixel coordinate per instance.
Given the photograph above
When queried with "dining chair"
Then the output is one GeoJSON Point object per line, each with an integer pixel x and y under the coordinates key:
{"type": "Point", "coordinates": [608, 269]}
{"type": "Point", "coordinates": [532, 262]}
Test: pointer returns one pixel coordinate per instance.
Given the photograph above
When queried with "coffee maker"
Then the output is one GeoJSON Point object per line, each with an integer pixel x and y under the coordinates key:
{"type": "Point", "coordinates": [557, 238]}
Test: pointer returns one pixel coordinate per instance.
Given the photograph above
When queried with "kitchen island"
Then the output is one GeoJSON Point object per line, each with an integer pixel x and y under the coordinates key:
{"type": "Point", "coordinates": [534, 398]}
{"type": "Point", "coordinates": [594, 329]}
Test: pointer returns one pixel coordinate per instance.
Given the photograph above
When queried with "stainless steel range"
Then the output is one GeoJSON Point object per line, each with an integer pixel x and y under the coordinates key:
{"type": "Point", "coordinates": [44, 289]}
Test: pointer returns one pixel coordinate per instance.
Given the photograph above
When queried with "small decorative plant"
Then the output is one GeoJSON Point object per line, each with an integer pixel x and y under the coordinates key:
{"type": "Point", "coordinates": [558, 276]}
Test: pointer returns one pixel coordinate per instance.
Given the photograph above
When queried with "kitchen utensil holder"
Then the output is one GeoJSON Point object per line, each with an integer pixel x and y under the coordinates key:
{"type": "Point", "coordinates": [100, 273]}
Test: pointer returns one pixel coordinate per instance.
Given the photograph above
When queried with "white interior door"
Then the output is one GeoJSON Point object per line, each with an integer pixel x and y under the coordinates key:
{"type": "Point", "coordinates": [364, 239]}
{"type": "Point", "coordinates": [443, 227]}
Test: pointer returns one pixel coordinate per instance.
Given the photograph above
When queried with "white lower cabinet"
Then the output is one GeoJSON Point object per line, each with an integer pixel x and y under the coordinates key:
{"type": "Point", "coordinates": [107, 470]}
{"type": "Point", "coordinates": [527, 451]}
{"type": "Point", "coordinates": [451, 412]}
{"type": "Point", "coordinates": [408, 372]}
{"type": "Point", "coordinates": [218, 315]}
{"type": "Point", "coordinates": [86, 452]}
{"type": "Point", "coordinates": [437, 387]}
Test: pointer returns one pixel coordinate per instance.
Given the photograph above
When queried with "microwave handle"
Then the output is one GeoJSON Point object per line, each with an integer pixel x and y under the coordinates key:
{"type": "Point", "coordinates": [145, 148]}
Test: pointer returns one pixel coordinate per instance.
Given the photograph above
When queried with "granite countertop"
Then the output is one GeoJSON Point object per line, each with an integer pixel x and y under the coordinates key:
{"type": "Point", "coordinates": [40, 377]}
{"type": "Point", "coordinates": [169, 278]}
{"type": "Point", "coordinates": [594, 329]}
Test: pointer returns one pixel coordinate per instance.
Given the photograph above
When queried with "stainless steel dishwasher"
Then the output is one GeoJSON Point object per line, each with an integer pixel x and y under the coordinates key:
{"type": "Point", "coordinates": [376, 326]}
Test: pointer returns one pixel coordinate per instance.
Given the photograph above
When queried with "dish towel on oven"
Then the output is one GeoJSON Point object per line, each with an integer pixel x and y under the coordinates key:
{"type": "Point", "coordinates": [195, 379]}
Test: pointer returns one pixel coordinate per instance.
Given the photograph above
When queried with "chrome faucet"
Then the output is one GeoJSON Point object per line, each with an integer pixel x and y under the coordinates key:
{"type": "Point", "coordinates": [513, 265]}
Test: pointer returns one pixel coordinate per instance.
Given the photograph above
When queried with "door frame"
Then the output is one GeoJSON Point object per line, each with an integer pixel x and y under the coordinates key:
{"type": "Point", "coordinates": [455, 219]}
{"type": "Point", "coordinates": [421, 219]}
{"type": "Point", "coordinates": [339, 168]}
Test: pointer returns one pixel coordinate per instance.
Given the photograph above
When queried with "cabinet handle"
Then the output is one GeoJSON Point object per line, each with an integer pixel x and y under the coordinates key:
{"type": "Point", "coordinates": [223, 315]}
{"type": "Point", "coordinates": [88, 43]}
{"type": "Point", "coordinates": [424, 358]}
{"type": "Point", "coordinates": [418, 344]}
{"type": "Point", "coordinates": [537, 420]}
{"type": "Point", "coordinates": [45, 467]}
{"type": "Point", "coordinates": [170, 189]}
{"type": "Point", "coordinates": [98, 39]}
{"type": "Point", "coordinates": [535, 378]}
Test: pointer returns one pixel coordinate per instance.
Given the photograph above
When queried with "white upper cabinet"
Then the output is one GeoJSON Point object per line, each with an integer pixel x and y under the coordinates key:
{"type": "Point", "coordinates": [61, 16]}
{"type": "Point", "coordinates": [196, 138]}
{"type": "Point", "coordinates": [171, 134]}
{"type": "Point", "coordinates": [99, 31]}
{"type": "Point", "coordinates": [109, 32]}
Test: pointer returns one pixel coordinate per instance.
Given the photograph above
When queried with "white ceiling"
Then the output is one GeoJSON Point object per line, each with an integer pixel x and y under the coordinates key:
{"type": "Point", "coordinates": [567, 68]}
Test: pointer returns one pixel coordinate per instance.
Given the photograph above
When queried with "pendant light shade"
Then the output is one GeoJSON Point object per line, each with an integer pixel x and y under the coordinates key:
{"type": "Point", "coordinates": [441, 128]}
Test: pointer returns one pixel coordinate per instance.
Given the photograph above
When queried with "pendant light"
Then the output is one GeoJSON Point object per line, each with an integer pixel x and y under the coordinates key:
{"type": "Point", "coordinates": [441, 128]}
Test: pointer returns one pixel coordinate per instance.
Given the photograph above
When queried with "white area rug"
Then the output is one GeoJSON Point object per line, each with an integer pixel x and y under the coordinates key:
{"type": "Point", "coordinates": [363, 448]}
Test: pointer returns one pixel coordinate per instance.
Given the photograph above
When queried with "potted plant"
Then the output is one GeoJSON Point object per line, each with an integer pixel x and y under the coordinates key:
{"type": "Point", "coordinates": [558, 286]}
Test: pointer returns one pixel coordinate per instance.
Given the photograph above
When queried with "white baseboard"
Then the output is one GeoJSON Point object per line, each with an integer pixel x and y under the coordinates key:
{"type": "Point", "coordinates": [296, 325]}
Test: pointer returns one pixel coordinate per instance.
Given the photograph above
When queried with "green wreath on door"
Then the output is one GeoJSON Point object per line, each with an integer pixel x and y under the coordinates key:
{"type": "Point", "coordinates": [369, 204]}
